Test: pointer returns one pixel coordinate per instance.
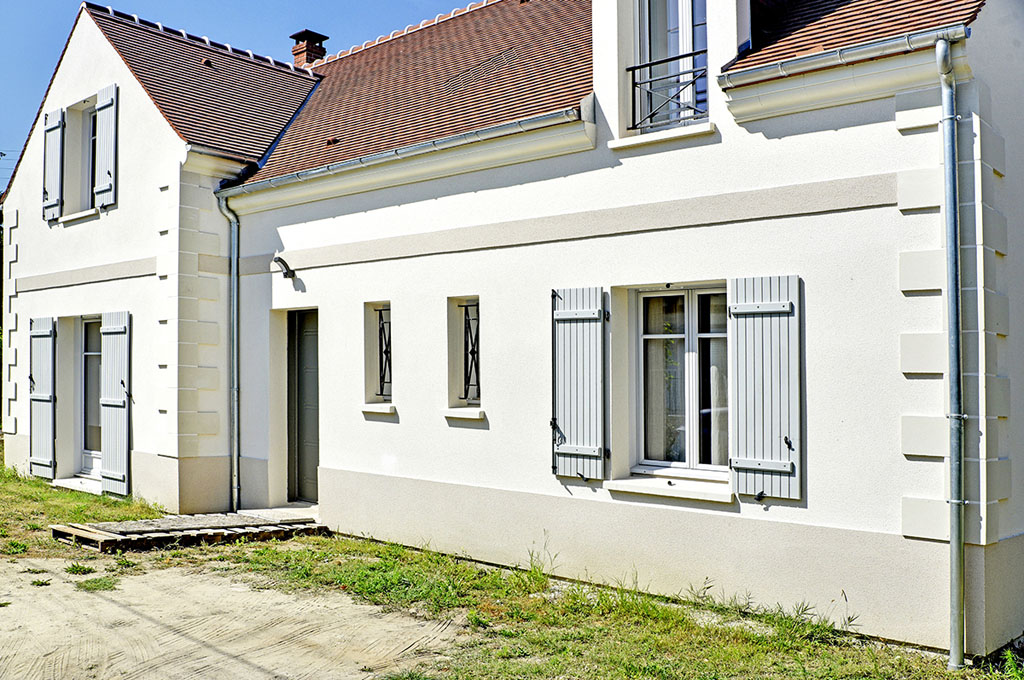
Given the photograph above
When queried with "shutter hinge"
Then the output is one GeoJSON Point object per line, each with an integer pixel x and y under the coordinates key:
{"type": "Point", "coordinates": [607, 315]}
{"type": "Point", "coordinates": [553, 423]}
{"type": "Point", "coordinates": [608, 454]}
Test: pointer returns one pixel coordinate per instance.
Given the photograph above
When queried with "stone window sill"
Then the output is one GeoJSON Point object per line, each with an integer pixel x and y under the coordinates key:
{"type": "Point", "coordinates": [465, 413]}
{"type": "Point", "coordinates": [384, 408]}
{"type": "Point", "coordinates": [713, 487]}
{"type": "Point", "coordinates": [78, 216]}
{"type": "Point", "coordinates": [682, 132]}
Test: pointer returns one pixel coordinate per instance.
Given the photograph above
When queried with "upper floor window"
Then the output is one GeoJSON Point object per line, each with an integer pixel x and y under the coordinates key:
{"type": "Point", "coordinates": [670, 82]}
{"type": "Point", "coordinates": [80, 156]}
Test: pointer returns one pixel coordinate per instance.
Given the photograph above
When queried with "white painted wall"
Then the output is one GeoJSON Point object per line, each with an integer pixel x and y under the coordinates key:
{"type": "Point", "coordinates": [856, 312]}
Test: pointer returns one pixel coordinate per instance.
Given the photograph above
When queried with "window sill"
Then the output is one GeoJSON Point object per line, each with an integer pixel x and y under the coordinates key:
{"type": "Point", "coordinates": [720, 476]}
{"type": "Point", "coordinates": [384, 408]}
{"type": "Point", "coordinates": [465, 413]}
{"type": "Point", "coordinates": [682, 132]}
{"type": "Point", "coordinates": [78, 216]}
{"type": "Point", "coordinates": [689, 489]}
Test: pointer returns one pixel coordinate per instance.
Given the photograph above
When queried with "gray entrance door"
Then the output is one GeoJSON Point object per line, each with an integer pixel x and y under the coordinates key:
{"type": "Point", "coordinates": [304, 407]}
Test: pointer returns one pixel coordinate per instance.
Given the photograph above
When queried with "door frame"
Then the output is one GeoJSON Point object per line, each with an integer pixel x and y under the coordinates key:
{"type": "Point", "coordinates": [82, 402]}
{"type": "Point", "coordinates": [293, 398]}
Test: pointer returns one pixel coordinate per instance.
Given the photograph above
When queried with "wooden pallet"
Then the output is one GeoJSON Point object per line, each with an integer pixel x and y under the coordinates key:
{"type": "Point", "coordinates": [108, 542]}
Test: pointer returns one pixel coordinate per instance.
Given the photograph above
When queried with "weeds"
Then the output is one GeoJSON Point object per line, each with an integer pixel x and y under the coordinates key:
{"type": "Point", "coordinates": [1013, 668]}
{"type": "Point", "coordinates": [99, 583]}
{"type": "Point", "coordinates": [77, 569]}
{"type": "Point", "coordinates": [39, 582]}
{"type": "Point", "coordinates": [14, 548]}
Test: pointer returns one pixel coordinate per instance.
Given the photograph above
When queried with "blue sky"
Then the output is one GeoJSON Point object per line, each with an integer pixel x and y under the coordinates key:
{"type": "Point", "coordinates": [32, 35]}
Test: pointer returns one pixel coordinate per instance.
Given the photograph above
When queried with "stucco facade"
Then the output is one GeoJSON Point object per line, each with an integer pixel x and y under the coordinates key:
{"type": "Point", "coordinates": [834, 177]}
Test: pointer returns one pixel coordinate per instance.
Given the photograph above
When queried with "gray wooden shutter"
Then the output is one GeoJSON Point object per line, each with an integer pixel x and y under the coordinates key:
{"type": "Point", "coordinates": [42, 399]}
{"type": "Point", "coordinates": [577, 421]}
{"type": "Point", "coordinates": [115, 400]}
{"type": "Point", "coordinates": [106, 146]}
{"type": "Point", "coordinates": [764, 342]}
{"type": "Point", "coordinates": [53, 164]}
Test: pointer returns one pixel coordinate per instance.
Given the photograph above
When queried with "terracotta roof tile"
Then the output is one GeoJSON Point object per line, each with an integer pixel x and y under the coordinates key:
{"type": "Point", "coordinates": [502, 61]}
{"type": "Point", "coordinates": [794, 28]}
{"type": "Point", "coordinates": [211, 94]}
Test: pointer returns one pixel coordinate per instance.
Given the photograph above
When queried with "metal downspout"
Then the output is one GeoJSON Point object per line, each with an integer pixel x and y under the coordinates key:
{"type": "Point", "coordinates": [234, 430]}
{"type": "Point", "coordinates": [951, 207]}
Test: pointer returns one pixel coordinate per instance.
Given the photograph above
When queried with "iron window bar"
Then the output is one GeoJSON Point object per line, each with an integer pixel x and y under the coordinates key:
{"type": "Point", "coordinates": [471, 352]}
{"type": "Point", "coordinates": [669, 99]}
{"type": "Point", "coordinates": [384, 353]}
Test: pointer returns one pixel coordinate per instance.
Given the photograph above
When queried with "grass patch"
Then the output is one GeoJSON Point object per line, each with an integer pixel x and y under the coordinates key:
{"type": "Point", "coordinates": [14, 548]}
{"type": "Point", "coordinates": [41, 582]}
{"type": "Point", "coordinates": [29, 505]}
{"type": "Point", "coordinates": [523, 626]}
{"type": "Point", "coordinates": [77, 569]}
{"type": "Point", "coordinates": [100, 583]}
{"type": "Point", "coordinates": [4, 604]}
{"type": "Point", "coordinates": [520, 623]}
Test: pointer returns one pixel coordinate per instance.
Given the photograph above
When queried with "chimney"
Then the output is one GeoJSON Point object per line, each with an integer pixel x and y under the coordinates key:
{"type": "Point", "coordinates": [309, 46]}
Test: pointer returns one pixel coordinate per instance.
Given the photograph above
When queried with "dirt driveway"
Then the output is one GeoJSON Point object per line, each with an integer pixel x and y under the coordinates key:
{"type": "Point", "coordinates": [169, 623]}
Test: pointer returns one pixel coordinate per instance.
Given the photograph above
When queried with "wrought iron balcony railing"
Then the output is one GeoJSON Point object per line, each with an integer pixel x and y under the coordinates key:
{"type": "Point", "coordinates": [669, 92]}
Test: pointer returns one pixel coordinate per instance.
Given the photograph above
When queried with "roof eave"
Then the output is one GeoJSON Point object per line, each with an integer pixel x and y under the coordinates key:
{"type": "Point", "coordinates": [559, 117]}
{"type": "Point", "coordinates": [876, 49]}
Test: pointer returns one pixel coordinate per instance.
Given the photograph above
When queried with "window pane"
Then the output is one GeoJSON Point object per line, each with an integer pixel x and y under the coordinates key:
{"type": "Point", "coordinates": [712, 313]}
{"type": "Point", "coordinates": [714, 402]}
{"type": "Point", "coordinates": [664, 408]}
{"type": "Point", "coordinates": [93, 441]}
{"type": "Point", "coordinates": [93, 341]}
{"type": "Point", "coordinates": [664, 314]}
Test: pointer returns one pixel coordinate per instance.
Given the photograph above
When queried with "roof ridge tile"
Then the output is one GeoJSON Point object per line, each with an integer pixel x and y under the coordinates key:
{"type": "Point", "coordinates": [411, 28]}
{"type": "Point", "coordinates": [203, 41]}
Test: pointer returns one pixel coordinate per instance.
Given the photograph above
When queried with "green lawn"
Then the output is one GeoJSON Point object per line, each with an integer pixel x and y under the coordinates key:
{"type": "Point", "coordinates": [519, 623]}
{"type": "Point", "coordinates": [29, 506]}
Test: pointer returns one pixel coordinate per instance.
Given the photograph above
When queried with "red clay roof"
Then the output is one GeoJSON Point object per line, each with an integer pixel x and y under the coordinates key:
{"type": "Point", "coordinates": [795, 28]}
{"type": "Point", "coordinates": [213, 96]}
{"type": "Point", "coordinates": [501, 61]}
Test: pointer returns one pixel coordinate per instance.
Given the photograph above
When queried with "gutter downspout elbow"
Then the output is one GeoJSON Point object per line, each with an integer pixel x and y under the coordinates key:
{"type": "Point", "coordinates": [234, 429]}
{"type": "Point", "coordinates": [951, 208]}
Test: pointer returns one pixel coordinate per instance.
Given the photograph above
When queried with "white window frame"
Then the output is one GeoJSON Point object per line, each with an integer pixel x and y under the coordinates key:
{"type": "Point", "coordinates": [691, 379]}
{"type": "Point", "coordinates": [685, 45]}
{"type": "Point", "coordinates": [81, 419]}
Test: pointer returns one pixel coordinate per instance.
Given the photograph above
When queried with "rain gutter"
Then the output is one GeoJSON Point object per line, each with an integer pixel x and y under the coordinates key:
{"type": "Point", "coordinates": [569, 115]}
{"type": "Point", "coordinates": [911, 42]}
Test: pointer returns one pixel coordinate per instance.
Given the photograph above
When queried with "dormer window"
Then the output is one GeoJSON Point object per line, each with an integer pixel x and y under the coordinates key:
{"type": "Point", "coordinates": [670, 82]}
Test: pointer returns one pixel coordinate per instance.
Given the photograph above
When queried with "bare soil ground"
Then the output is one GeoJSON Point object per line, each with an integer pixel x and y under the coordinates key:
{"type": "Point", "coordinates": [173, 623]}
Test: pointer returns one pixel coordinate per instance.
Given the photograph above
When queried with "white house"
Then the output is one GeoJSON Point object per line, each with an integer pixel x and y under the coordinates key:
{"type": "Point", "coordinates": [653, 287]}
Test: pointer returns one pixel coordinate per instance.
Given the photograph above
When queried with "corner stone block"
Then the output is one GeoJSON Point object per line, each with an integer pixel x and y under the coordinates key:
{"type": "Point", "coordinates": [919, 189]}
{"type": "Point", "coordinates": [923, 270]}
{"type": "Point", "coordinates": [923, 353]}
{"type": "Point", "coordinates": [924, 436]}
{"type": "Point", "coordinates": [997, 313]}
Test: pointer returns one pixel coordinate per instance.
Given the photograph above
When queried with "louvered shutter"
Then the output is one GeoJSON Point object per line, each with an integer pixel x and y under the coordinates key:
{"type": "Point", "coordinates": [577, 421]}
{"type": "Point", "coordinates": [764, 319]}
{"type": "Point", "coordinates": [53, 165]}
{"type": "Point", "coordinates": [115, 400]}
{"type": "Point", "coordinates": [106, 146]}
{"type": "Point", "coordinates": [42, 398]}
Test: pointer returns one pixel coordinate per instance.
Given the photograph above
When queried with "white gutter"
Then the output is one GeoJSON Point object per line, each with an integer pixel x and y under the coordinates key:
{"type": "Point", "coordinates": [877, 49]}
{"type": "Point", "coordinates": [569, 115]}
